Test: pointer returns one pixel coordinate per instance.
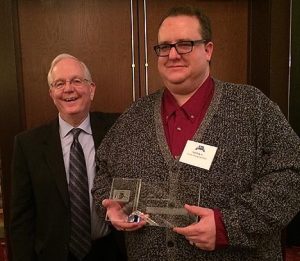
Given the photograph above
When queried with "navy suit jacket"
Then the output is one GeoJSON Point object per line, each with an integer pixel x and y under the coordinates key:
{"type": "Point", "coordinates": [39, 210]}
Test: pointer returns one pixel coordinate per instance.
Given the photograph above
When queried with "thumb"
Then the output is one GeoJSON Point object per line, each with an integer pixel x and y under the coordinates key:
{"type": "Point", "coordinates": [105, 203]}
{"type": "Point", "coordinates": [111, 204]}
{"type": "Point", "coordinates": [199, 211]}
{"type": "Point", "coordinates": [108, 203]}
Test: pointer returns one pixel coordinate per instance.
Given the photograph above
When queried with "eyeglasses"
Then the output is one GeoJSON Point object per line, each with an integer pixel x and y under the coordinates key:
{"type": "Point", "coordinates": [75, 82]}
{"type": "Point", "coordinates": [182, 47]}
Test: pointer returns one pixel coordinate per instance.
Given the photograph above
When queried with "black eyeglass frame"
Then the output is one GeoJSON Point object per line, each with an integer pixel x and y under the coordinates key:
{"type": "Point", "coordinates": [175, 45]}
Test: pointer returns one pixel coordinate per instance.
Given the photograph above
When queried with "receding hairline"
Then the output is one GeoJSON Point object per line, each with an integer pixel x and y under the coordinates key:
{"type": "Point", "coordinates": [65, 56]}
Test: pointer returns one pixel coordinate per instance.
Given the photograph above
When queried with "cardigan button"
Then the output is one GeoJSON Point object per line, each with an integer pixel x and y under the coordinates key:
{"type": "Point", "coordinates": [170, 243]}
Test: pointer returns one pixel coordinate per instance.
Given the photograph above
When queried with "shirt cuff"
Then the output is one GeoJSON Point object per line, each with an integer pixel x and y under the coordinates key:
{"type": "Point", "coordinates": [222, 240]}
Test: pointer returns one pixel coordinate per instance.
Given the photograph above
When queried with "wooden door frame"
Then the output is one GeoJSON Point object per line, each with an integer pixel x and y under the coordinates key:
{"type": "Point", "coordinates": [269, 49]}
{"type": "Point", "coordinates": [295, 69]}
{"type": "Point", "coordinates": [293, 237]}
{"type": "Point", "coordinates": [12, 118]}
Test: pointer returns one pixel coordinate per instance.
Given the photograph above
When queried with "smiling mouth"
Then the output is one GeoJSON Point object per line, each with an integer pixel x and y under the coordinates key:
{"type": "Point", "coordinates": [176, 66]}
{"type": "Point", "coordinates": [70, 99]}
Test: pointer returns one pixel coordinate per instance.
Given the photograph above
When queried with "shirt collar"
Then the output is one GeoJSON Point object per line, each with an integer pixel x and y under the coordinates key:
{"type": "Point", "coordinates": [65, 128]}
{"type": "Point", "coordinates": [191, 108]}
{"type": "Point", "coordinates": [194, 106]}
{"type": "Point", "coordinates": [169, 104]}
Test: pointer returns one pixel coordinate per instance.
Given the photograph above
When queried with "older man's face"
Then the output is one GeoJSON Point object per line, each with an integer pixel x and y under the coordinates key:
{"type": "Point", "coordinates": [72, 102]}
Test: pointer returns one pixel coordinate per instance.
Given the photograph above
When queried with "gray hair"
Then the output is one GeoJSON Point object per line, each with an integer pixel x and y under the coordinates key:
{"type": "Point", "coordinates": [62, 56]}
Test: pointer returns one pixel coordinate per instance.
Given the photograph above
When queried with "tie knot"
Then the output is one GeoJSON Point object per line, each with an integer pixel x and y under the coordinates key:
{"type": "Point", "coordinates": [76, 132]}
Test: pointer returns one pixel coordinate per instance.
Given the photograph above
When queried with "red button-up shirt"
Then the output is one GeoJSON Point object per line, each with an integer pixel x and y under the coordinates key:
{"type": "Point", "coordinates": [180, 125]}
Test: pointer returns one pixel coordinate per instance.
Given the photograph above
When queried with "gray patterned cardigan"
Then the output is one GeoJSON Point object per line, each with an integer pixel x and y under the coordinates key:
{"type": "Point", "coordinates": [254, 179]}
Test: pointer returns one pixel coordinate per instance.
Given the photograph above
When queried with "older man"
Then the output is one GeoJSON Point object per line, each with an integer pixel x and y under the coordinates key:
{"type": "Point", "coordinates": [52, 213]}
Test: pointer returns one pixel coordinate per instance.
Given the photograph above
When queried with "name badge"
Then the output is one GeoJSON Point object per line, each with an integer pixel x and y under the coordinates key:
{"type": "Point", "coordinates": [198, 154]}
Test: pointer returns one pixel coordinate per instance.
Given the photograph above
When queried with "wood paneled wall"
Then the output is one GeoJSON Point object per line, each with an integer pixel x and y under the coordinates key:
{"type": "Point", "coordinates": [295, 70]}
{"type": "Point", "coordinates": [230, 56]}
{"type": "Point", "coordinates": [250, 36]}
{"type": "Point", "coordinates": [99, 32]}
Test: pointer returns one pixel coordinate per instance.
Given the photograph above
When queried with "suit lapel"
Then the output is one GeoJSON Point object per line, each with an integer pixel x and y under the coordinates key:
{"type": "Point", "coordinates": [99, 129]}
{"type": "Point", "coordinates": [54, 157]}
{"type": "Point", "coordinates": [53, 152]}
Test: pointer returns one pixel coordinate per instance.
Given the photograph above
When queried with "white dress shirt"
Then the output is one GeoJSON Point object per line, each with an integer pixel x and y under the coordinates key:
{"type": "Point", "coordinates": [99, 228]}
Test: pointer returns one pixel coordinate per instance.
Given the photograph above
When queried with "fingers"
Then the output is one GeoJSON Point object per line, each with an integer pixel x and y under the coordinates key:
{"type": "Point", "coordinates": [186, 231]}
{"type": "Point", "coordinates": [203, 233]}
{"type": "Point", "coordinates": [192, 243]}
{"type": "Point", "coordinates": [108, 203]}
{"type": "Point", "coordinates": [204, 241]}
{"type": "Point", "coordinates": [119, 218]}
{"type": "Point", "coordinates": [202, 246]}
{"type": "Point", "coordinates": [199, 211]}
{"type": "Point", "coordinates": [128, 227]}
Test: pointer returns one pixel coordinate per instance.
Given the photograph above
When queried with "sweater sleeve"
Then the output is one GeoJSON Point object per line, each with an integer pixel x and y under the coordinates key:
{"type": "Point", "coordinates": [274, 196]}
{"type": "Point", "coordinates": [102, 180]}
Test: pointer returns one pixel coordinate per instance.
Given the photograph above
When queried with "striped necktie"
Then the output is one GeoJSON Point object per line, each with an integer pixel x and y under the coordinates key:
{"type": "Point", "coordinates": [80, 240]}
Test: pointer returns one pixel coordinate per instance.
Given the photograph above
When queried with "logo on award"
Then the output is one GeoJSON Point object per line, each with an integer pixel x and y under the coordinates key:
{"type": "Point", "coordinates": [121, 195]}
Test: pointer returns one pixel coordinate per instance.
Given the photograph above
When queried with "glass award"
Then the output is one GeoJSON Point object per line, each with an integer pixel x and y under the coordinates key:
{"type": "Point", "coordinates": [126, 192]}
{"type": "Point", "coordinates": [158, 203]}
